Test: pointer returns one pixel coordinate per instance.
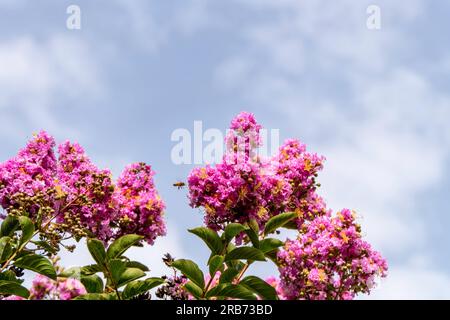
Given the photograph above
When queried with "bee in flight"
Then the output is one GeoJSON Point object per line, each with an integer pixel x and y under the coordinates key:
{"type": "Point", "coordinates": [179, 184]}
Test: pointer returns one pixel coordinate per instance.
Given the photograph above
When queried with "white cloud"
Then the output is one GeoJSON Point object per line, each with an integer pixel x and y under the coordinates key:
{"type": "Point", "coordinates": [146, 32]}
{"type": "Point", "coordinates": [193, 16]}
{"type": "Point", "coordinates": [281, 48]}
{"type": "Point", "coordinates": [151, 26]}
{"type": "Point", "coordinates": [33, 74]}
{"type": "Point", "coordinates": [412, 282]}
{"type": "Point", "coordinates": [11, 3]}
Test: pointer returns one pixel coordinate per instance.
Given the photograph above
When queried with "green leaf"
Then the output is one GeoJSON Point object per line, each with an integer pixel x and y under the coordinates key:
{"type": "Point", "coordinates": [232, 230]}
{"type": "Point", "coordinates": [215, 264]}
{"type": "Point", "coordinates": [97, 296]}
{"type": "Point", "coordinates": [260, 287]}
{"type": "Point", "coordinates": [210, 237]}
{"type": "Point", "coordinates": [231, 291]}
{"type": "Point", "coordinates": [92, 283]}
{"type": "Point", "coordinates": [73, 272]}
{"type": "Point", "coordinates": [291, 225]}
{"type": "Point", "coordinates": [270, 244]}
{"type": "Point", "coordinates": [23, 253]}
{"type": "Point", "coordinates": [36, 263]}
{"type": "Point", "coordinates": [230, 247]}
{"type": "Point", "coordinates": [278, 221]}
{"type": "Point", "coordinates": [245, 253]}
{"type": "Point", "coordinates": [97, 251]}
{"type": "Point", "coordinates": [136, 288]}
{"type": "Point", "coordinates": [194, 289]}
{"type": "Point", "coordinates": [119, 246]}
{"type": "Point", "coordinates": [90, 269]}
{"type": "Point", "coordinates": [253, 224]}
{"type": "Point", "coordinates": [9, 275]}
{"type": "Point", "coordinates": [191, 270]}
{"type": "Point", "coordinates": [117, 268]}
{"type": "Point", "coordinates": [136, 264]}
{"type": "Point", "coordinates": [253, 236]}
{"type": "Point", "coordinates": [273, 256]}
{"type": "Point", "coordinates": [228, 275]}
{"type": "Point", "coordinates": [27, 227]}
{"type": "Point", "coordinates": [9, 226]}
{"type": "Point", "coordinates": [12, 287]}
{"type": "Point", "coordinates": [5, 249]}
{"type": "Point", "coordinates": [130, 274]}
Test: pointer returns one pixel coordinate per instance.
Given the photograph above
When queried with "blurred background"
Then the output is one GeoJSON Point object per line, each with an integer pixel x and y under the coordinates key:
{"type": "Point", "coordinates": [374, 101]}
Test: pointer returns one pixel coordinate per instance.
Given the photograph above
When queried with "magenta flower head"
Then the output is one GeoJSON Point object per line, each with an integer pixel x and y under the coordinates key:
{"type": "Point", "coordinates": [87, 192]}
{"type": "Point", "coordinates": [70, 288]}
{"type": "Point", "coordinates": [243, 138]}
{"type": "Point", "coordinates": [140, 208]}
{"type": "Point", "coordinates": [229, 193]}
{"type": "Point", "coordinates": [300, 169]}
{"type": "Point", "coordinates": [243, 188]}
{"type": "Point", "coordinates": [44, 288]}
{"type": "Point", "coordinates": [274, 282]}
{"type": "Point", "coordinates": [329, 260]}
{"type": "Point", "coordinates": [234, 190]}
{"type": "Point", "coordinates": [41, 287]}
{"type": "Point", "coordinates": [29, 174]}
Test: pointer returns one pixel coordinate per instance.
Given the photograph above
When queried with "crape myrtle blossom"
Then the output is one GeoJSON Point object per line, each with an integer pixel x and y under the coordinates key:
{"type": "Point", "coordinates": [299, 169]}
{"type": "Point", "coordinates": [44, 288]}
{"type": "Point", "coordinates": [69, 289]}
{"type": "Point", "coordinates": [243, 138]}
{"type": "Point", "coordinates": [68, 194]}
{"type": "Point", "coordinates": [233, 193]}
{"type": "Point", "coordinates": [274, 282]}
{"type": "Point", "coordinates": [329, 260]}
{"type": "Point", "coordinates": [244, 187]}
{"type": "Point", "coordinates": [27, 180]}
{"type": "Point", "coordinates": [87, 192]}
{"type": "Point", "coordinates": [139, 205]}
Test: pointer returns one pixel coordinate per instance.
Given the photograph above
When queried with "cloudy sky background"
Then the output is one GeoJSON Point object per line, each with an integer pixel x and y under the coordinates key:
{"type": "Point", "coordinates": [376, 103]}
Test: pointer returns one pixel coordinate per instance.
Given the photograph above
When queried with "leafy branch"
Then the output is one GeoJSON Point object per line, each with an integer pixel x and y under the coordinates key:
{"type": "Point", "coordinates": [234, 261]}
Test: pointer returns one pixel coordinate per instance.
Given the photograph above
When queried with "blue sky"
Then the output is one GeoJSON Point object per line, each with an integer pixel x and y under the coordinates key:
{"type": "Point", "coordinates": [376, 103]}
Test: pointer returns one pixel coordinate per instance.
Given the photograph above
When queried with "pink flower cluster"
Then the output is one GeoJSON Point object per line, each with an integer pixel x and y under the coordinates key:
{"type": "Point", "coordinates": [139, 205]}
{"type": "Point", "coordinates": [44, 288]}
{"type": "Point", "coordinates": [30, 173]}
{"type": "Point", "coordinates": [274, 282]}
{"type": "Point", "coordinates": [244, 136]}
{"type": "Point", "coordinates": [329, 260]}
{"type": "Point", "coordinates": [86, 190]}
{"type": "Point", "coordinates": [244, 186]}
{"type": "Point", "coordinates": [83, 199]}
{"type": "Point", "coordinates": [299, 169]}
